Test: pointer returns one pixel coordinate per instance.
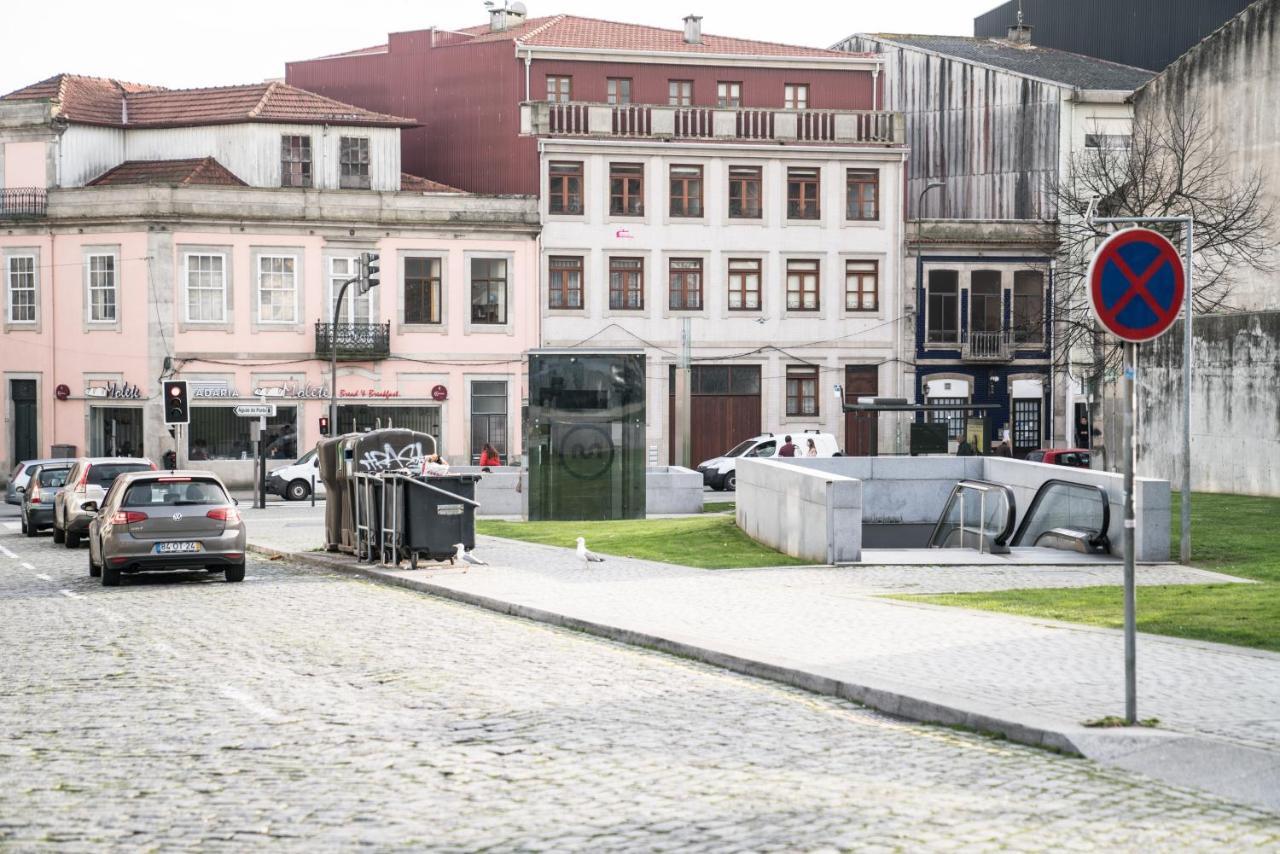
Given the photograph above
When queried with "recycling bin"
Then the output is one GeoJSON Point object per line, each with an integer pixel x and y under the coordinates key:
{"type": "Point", "coordinates": [438, 513]}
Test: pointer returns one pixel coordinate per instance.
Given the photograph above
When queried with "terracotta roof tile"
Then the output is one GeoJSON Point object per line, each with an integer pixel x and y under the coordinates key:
{"type": "Point", "coordinates": [204, 171]}
{"type": "Point", "coordinates": [93, 100]}
{"type": "Point", "coordinates": [593, 33]}
{"type": "Point", "coordinates": [416, 184]}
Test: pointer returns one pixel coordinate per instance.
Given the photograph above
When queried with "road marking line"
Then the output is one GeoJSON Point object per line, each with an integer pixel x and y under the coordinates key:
{"type": "Point", "coordinates": [7, 553]}
{"type": "Point", "coordinates": [71, 595]}
{"type": "Point", "coordinates": [42, 576]}
{"type": "Point", "coordinates": [26, 565]}
{"type": "Point", "coordinates": [248, 701]}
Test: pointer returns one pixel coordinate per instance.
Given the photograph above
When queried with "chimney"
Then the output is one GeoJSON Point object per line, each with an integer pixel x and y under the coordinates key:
{"type": "Point", "coordinates": [1020, 34]}
{"type": "Point", "coordinates": [693, 29]}
{"type": "Point", "coordinates": [506, 16]}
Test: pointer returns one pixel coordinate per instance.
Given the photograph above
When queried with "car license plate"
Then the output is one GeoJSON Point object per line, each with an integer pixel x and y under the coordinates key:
{"type": "Point", "coordinates": [176, 548]}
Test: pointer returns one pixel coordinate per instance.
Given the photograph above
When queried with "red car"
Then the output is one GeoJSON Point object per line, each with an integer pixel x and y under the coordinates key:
{"type": "Point", "coordinates": [1074, 457]}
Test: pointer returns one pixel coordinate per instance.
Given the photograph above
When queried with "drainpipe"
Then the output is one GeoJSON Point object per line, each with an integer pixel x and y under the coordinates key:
{"type": "Point", "coordinates": [528, 60]}
{"type": "Point", "coordinates": [1053, 391]}
{"type": "Point", "coordinates": [875, 86]}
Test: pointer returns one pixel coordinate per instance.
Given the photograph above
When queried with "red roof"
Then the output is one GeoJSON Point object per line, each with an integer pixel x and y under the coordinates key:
{"type": "Point", "coordinates": [98, 101]}
{"type": "Point", "coordinates": [572, 31]}
{"type": "Point", "coordinates": [203, 171]}
{"type": "Point", "coordinates": [416, 184]}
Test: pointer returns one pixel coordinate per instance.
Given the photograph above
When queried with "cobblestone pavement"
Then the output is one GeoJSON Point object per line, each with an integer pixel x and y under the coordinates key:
{"type": "Point", "coordinates": [834, 622]}
{"type": "Point", "coordinates": [320, 712]}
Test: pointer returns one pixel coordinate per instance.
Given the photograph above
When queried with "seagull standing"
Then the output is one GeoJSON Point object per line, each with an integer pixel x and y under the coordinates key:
{"type": "Point", "coordinates": [460, 553]}
{"type": "Point", "coordinates": [587, 557]}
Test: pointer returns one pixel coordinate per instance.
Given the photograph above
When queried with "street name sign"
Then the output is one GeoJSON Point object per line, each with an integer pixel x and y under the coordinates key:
{"type": "Point", "coordinates": [1136, 283]}
{"type": "Point", "coordinates": [256, 410]}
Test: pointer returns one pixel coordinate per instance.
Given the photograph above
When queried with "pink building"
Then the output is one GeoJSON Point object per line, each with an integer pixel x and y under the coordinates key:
{"type": "Point", "coordinates": [149, 234]}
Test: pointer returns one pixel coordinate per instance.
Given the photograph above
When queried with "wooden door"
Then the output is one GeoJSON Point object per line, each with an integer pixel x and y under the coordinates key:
{"type": "Point", "coordinates": [860, 434]}
{"type": "Point", "coordinates": [725, 409]}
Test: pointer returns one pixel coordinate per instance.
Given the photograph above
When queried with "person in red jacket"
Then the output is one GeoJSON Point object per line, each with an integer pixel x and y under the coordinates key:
{"type": "Point", "coordinates": [489, 456]}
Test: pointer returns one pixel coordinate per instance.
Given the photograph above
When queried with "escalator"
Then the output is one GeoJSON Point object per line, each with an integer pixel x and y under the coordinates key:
{"type": "Point", "coordinates": [1066, 516]}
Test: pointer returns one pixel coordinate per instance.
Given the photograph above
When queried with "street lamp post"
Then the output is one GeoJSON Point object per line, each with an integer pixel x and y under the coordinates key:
{"type": "Point", "coordinates": [367, 276]}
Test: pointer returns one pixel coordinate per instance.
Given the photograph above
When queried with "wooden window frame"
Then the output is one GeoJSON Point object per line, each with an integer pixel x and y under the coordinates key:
{"type": "Point", "coordinates": [729, 94]}
{"type": "Point", "coordinates": [804, 272]}
{"type": "Point", "coordinates": [95, 274]}
{"type": "Point", "coordinates": [559, 88]}
{"type": "Point", "coordinates": [740, 271]}
{"type": "Point", "coordinates": [558, 281]}
{"type": "Point", "coordinates": [12, 276]}
{"type": "Point", "coordinates": [931, 333]}
{"type": "Point", "coordinates": [562, 200]}
{"type": "Point", "coordinates": [353, 163]}
{"type": "Point", "coordinates": [623, 269]}
{"type": "Point", "coordinates": [804, 193]}
{"type": "Point", "coordinates": [798, 378]}
{"type": "Point", "coordinates": [618, 90]}
{"type": "Point", "coordinates": [295, 160]}
{"type": "Point", "coordinates": [685, 191]}
{"type": "Point", "coordinates": [265, 270]}
{"type": "Point", "coordinates": [857, 297]}
{"type": "Point", "coordinates": [490, 284]}
{"type": "Point", "coordinates": [679, 93]}
{"type": "Point", "coordinates": [187, 288]}
{"type": "Point", "coordinates": [432, 289]}
{"type": "Point", "coordinates": [746, 177]}
{"type": "Point", "coordinates": [795, 96]}
{"type": "Point", "coordinates": [685, 284]}
{"type": "Point", "coordinates": [626, 185]}
{"type": "Point", "coordinates": [862, 188]}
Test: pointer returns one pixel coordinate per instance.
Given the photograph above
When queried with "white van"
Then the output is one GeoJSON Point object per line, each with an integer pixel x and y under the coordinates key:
{"type": "Point", "coordinates": [720, 473]}
{"type": "Point", "coordinates": [294, 482]}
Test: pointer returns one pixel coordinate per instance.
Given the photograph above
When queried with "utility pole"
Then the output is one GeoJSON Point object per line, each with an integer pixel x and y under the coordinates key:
{"type": "Point", "coordinates": [683, 450]}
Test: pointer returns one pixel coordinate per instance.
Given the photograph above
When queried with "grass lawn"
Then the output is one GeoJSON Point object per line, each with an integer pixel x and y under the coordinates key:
{"type": "Point", "coordinates": [1235, 534]}
{"type": "Point", "coordinates": [710, 541]}
{"type": "Point", "coordinates": [719, 507]}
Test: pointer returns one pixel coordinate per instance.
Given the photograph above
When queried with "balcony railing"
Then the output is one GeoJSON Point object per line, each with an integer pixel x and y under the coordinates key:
{"type": "Point", "coordinates": [359, 341]}
{"type": "Point", "coordinates": [849, 127]}
{"type": "Point", "coordinates": [18, 202]}
{"type": "Point", "coordinates": [987, 347]}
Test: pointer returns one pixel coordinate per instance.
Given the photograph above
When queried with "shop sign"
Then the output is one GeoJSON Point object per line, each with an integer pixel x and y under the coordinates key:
{"type": "Point", "coordinates": [62, 392]}
{"type": "Point", "coordinates": [439, 392]}
{"type": "Point", "coordinates": [293, 390]}
{"type": "Point", "coordinates": [114, 391]}
{"type": "Point", "coordinates": [368, 393]}
{"type": "Point", "coordinates": [212, 390]}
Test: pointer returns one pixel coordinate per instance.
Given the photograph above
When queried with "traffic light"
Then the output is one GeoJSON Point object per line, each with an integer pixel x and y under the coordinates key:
{"type": "Point", "coordinates": [370, 271]}
{"type": "Point", "coordinates": [324, 425]}
{"type": "Point", "coordinates": [176, 408]}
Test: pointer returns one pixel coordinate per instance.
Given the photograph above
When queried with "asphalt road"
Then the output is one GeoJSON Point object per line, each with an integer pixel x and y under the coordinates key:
{"type": "Point", "coordinates": [320, 712]}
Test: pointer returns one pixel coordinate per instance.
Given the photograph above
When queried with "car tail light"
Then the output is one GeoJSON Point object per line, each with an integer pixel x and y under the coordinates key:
{"type": "Point", "coordinates": [128, 517]}
{"type": "Point", "coordinates": [83, 485]}
{"type": "Point", "coordinates": [225, 514]}
{"type": "Point", "coordinates": [35, 496]}
{"type": "Point", "coordinates": [154, 468]}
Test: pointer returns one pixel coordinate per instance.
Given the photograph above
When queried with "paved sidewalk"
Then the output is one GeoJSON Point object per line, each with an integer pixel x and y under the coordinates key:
{"type": "Point", "coordinates": [828, 630]}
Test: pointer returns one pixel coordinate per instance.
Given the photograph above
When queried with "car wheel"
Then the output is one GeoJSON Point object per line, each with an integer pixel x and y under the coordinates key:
{"type": "Point", "coordinates": [72, 540]}
{"type": "Point", "coordinates": [297, 490]}
{"type": "Point", "coordinates": [235, 572]}
{"type": "Point", "coordinates": [110, 575]}
{"type": "Point", "coordinates": [94, 570]}
{"type": "Point", "coordinates": [58, 534]}
{"type": "Point", "coordinates": [731, 482]}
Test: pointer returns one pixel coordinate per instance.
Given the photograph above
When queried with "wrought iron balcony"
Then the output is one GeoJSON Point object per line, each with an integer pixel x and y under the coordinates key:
{"type": "Point", "coordinates": [987, 347]}
{"type": "Point", "coordinates": [659, 121]}
{"type": "Point", "coordinates": [23, 202]}
{"type": "Point", "coordinates": [355, 341]}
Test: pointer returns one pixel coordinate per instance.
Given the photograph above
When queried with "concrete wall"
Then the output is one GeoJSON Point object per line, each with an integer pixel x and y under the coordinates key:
{"type": "Point", "coordinates": [503, 490]}
{"type": "Point", "coordinates": [899, 489]}
{"type": "Point", "coordinates": [672, 490]}
{"type": "Point", "coordinates": [1235, 405]}
{"type": "Point", "coordinates": [800, 511]}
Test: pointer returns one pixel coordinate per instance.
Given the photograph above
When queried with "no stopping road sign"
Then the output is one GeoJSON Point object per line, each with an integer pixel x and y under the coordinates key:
{"type": "Point", "coordinates": [1136, 283]}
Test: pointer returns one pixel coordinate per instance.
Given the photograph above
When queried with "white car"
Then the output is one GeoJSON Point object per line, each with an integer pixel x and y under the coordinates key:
{"type": "Point", "coordinates": [294, 482]}
{"type": "Point", "coordinates": [720, 473]}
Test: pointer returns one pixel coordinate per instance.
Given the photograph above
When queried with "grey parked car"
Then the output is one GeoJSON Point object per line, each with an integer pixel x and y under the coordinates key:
{"type": "Point", "coordinates": [88, 481]}
{"type": "Point", "coordinates": [165, 520]}
{"type": "Point", "coordinates": [45, 483]}
{"type": "Point", "coordinates": [18, 478]}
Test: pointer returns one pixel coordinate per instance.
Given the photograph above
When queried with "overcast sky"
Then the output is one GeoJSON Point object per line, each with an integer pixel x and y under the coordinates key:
{"type": "Point", "coordinates": [180, 43]}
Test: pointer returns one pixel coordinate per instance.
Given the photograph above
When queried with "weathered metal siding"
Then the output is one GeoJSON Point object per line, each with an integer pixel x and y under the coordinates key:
{"type": "Point", "coordinates": [1145, 33]}
{"type": "Point", "coordinates": [991, 137]}
{"type": "Point", "coordinates": [85, 152]}
{"type": "Point", "coordinates": [762, 88]}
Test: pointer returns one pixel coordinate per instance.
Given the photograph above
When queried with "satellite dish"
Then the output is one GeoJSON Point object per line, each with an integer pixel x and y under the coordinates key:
{"type": "Point", "coordinates": [518, 8]}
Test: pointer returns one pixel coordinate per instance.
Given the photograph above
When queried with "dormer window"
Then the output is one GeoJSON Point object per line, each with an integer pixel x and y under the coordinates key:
{"type": "Point", "coordinates": [295, 161]}
{"type": "Point", "coordinates": [353, 159]}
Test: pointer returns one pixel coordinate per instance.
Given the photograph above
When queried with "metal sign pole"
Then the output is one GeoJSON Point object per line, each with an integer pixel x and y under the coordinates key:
{"type": "Point", "coordinates": [1130, 595]}
{"type": "Point", "coordinates": [1184, 550]}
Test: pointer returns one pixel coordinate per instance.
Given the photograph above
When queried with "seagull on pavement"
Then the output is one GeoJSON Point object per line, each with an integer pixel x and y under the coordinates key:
{"type": "Point", "coordinates": [460, 553]}
{"type": "Point", "coordinates": [587, 557]}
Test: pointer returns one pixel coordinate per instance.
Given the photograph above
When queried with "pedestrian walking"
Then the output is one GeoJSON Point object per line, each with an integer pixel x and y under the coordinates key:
{"type": "Point", "coordinates": [811, 450]}
{"type": "Point", "coordinates": [787, 449]}
{"type": "Point", "coordinates": [965, 449]}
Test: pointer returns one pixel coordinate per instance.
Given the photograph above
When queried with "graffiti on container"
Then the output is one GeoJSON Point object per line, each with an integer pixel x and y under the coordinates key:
{"type": "Point", "coordinates": [408, 457]}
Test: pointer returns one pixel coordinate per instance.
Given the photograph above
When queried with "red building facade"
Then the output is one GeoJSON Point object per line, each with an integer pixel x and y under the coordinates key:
{"type": "Point", "coordinates": [465, 88]}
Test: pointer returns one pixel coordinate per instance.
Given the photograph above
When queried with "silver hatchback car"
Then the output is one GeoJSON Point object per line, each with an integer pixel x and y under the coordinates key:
{"type": "Point", "coordinates": [165, 520]}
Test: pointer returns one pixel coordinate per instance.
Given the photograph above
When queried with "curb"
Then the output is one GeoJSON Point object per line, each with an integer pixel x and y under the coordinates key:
{"type": "Point", "coordinates": [894, 702]}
